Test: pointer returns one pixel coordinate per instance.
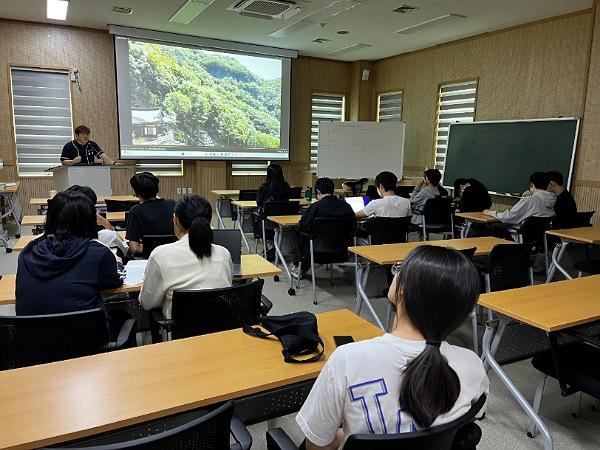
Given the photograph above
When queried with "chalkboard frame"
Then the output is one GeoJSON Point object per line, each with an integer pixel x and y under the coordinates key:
{"type": "Point", "coordinates": [577, 121]}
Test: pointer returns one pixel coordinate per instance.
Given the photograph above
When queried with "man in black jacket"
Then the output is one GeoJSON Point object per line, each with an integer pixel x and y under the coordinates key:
{"type": "Point", "coordinates": [565, 207]}
{"type": "Point", "coordinates": [327, 206]}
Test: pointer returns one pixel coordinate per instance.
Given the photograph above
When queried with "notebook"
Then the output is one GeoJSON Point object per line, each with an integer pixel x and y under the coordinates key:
{"type": "Point", "coordinates": [357, 203]}
{"type": "Point", "coordinates": [232, 241]}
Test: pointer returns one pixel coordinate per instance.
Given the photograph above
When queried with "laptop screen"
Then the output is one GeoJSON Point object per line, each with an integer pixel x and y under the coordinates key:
{"type": "Point", "coordinates": [357, 203]}
{"type": "Point", "coordinates": [232, 241]}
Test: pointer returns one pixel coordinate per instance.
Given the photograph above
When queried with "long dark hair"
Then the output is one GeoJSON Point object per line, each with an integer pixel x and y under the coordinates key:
{"type": "Point", "coordinates": [276, 180]}
{"type": "Point", "coordinates": [194, 214]}
{"type": "Point", "coordinates": [70, 213]}
{"type": "Point", "coordinates": [437, 288]}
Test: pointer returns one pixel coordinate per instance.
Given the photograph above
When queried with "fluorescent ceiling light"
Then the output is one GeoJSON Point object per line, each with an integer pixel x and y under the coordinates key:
{"type": "Point", "coordinates": [189, 11]}
{"type": "Point", "coordinates": [57, 9]}
{"type": "Point", "coordinates": [350, 48]}
{"type": "Point", "coordinates": [431, 23]}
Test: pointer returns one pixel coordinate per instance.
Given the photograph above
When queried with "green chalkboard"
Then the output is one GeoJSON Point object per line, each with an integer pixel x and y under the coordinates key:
{"type": "Point", "coordinates": [502, 155]}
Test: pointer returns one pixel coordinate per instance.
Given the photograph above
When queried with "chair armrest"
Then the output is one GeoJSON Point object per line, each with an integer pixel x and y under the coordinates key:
{"type": "Point", "coordinates": [240, 434]}
{"type": "Point", "coordinates": [277, 439]}
{"type": "Point", "coordinates": [307, 235]}
{"type": "Point", "coordinates": [126, 337]}
{"type": "Point", "coordinates": [265, 305]}
{"type": "Point", "coordinates": [159, 318]}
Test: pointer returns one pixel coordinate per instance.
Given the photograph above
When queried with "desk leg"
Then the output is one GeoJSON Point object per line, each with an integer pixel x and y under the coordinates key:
{"type": "Point", "coordinates": [464, 233]}
{"type": "Point", "coordinates": [276, 243]}
{"type": "Point", "coordinates": [489, 359]}
{"type": "Point", "coordinates": [361, 282]}
{"type": "Point", "coordinates": [220, 223]}
{"type": "Point", "coordinates": [557, 255]}
{"type": "Point", "coordinates": [240, 222]}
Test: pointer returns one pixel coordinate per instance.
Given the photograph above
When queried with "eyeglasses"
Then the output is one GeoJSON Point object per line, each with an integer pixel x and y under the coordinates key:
{"type": "Point", "coordinates": [397, 268]}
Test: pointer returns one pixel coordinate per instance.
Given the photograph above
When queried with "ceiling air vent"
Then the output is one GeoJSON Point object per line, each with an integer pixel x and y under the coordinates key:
{"type": "Point", "coordinates": [404, 9]}
{"type": "Point", "coordinates": [273, 9]}
{"type": "Point", "coordinates": [122, 10]}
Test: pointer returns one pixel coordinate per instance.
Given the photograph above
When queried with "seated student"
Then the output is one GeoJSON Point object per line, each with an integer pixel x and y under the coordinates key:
{"type": "Point", "coordinates": [565, 208]}
{"type": "Point", "coordinates": [274, 188]}
{"type": "Point", "coordinates": [65, 269]}
{"type": "Point", "coordinates": [106, 232]}
{"type": "Point", "coordinates": [193, 262]}
{"type": "Point", "coordinates": [418, 379]}
{"type": "Point", "coordinates": [327, 206]}
{"type": "Point", "coordinates": [153, 216]}
{"type": "Point", "coordinates": [389, 205]}
{"type": "Point", "coordinates": [540, 203]}
{"type": "Point", "coordinates": [428, 187]}
{"type": "Point", "coordinates": [471, 195]}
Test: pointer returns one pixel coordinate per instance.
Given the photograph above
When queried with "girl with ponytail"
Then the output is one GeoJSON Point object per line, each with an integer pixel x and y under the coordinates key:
{"type": "Point", "coordinates": [410, 379]}
{"type": "Point", "coordinates": [193, 262]}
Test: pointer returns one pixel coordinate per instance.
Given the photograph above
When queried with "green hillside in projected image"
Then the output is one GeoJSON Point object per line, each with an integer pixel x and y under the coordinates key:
{"type": "Point", "coordinates": [192, 97]}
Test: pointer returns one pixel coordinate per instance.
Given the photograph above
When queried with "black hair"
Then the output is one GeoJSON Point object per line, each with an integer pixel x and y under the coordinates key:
{"type": "Point", "coordinates": [194, 214]}
{"type": "Point", "coordinates": [85, 190]}
{"type": "Point", "coordinates": [70, 213]}
{"type": "Point", "coordinates": [372, 192]}
{"type": "Point", "coordinates": [82, 129]}
{"type": "Point", "coordinates": [457, 184]}
{"type": "Point", "coordinates": [276, 180]}
{"type": "Point", "coordinates": [540, 180]}
{"type": "Point", "coordinates": [555, 176]}
{"type": "Point", "coordinates": [325, 185]}
{"type": "Point", "coordinates": [144, 184]}
{"type": "Point", "coordinates": [387, 179]}
{"type": "Point", "coordinates": [433, 175]}
{"type": "Point", "coordinates": [437, 288]}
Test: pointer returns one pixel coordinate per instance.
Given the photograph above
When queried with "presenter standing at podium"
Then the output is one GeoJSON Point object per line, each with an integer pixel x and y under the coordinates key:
{"type": "Point", "coordinates": [82, 150]}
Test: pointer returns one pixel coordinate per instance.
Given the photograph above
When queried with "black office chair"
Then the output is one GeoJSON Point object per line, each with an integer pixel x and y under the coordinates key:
{"type": "Point", "coordinates": [197, 430]}
{"type": "Point", "coordinates": [404, 191]}
{"type": "Point", "coordinates": [387, 230]}
{"type": "Point", "coordinates": [119, 205]}
{"type": "Point", "coordinates": [266, 231]}
{"type": "Point", "coordinates": [576, 366]}
{"type": "Point", "coordinates": [329, 244]}
{"type": "Point", "coordinates": [197, 312]}
{"type": "Point", "coordinates": [460, 434]}
{"type": "Point", "coordinates": [356, 186]}
{"type": "Point", "coordinates": [437, 218]}
{"type": "Point", "coordinates": [30, 340]}
{"type": "Point", "coordinates": [296, 192]}
{"type": "Point", "coordinates": [151, 241]}
{"type": "Point", "coordinates": [245, 195]}
{"type": "Point", "coordinates": [534, 230]}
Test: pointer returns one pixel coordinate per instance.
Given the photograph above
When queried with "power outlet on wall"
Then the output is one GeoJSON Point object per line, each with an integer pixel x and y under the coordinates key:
{"type": "Point", "coordinates": [189, 190]}
{"type": "Point", "coordinates": [178, 190]}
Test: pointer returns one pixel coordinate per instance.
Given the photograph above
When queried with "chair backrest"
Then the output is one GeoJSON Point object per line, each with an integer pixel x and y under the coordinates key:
{"type": "Point", "coordinates": [388, 230]}
{"type": "Point", "coordinates": [468, 252]}
{"type": "Point", "coordinates": [151, 241]}
{"type": "Point", "coordinates": [247, 194]}
{"type": "Point", "coordinates": [584, 219]}
{"type": "Point", "coordinates": [534, 229]}
{"type": "Point", "coordinates": [333, 235]}
{"type": "Point", "coordinates": [296, 192]}
{"type": "Point", "coordinates": [404, 191]}
{"type": "Point", "coordinates": [437, 438]}
{"type": "Point", "coordinates": [437, 212]}
{"type": "Point", "coordinates": [30, 340]}
{"type": "Point", "coordinates": [197, 312]}
{"type": "Point", "coordinates": [508, 266]}
{"type": "Point", "coordinates": [190, 430]}
{"type": "Point", "coordinates": [232, 241]}
{"type": "Point", "coordinates": [277, 208]}
{"type": "Point", "coordinates": [356, 186]}
{"type": "Point", "coordinates": [119, 205]}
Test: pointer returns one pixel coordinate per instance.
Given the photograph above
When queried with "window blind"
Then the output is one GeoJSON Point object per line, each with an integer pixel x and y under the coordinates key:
{"type": "Point", "coordinates": [257, 168]}
{"type": "Point", "coordinates": [324, 107]}
{"type": "Point", "coordinates": [389, 107]}
{"type": "Point", "coordinates": [165, 168]}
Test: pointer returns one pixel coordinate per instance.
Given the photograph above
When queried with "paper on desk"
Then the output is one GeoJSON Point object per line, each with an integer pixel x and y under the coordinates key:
{"type": "Point", "coordinates": [134, 271]}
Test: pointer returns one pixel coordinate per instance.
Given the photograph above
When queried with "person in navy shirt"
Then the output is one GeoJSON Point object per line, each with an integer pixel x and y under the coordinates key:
{"type": "Point", "coordinates": [82, 150]}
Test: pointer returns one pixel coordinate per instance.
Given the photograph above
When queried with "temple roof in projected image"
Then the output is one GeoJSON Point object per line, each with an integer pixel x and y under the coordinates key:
{"type": "Point", "coordinates": [143, 116]}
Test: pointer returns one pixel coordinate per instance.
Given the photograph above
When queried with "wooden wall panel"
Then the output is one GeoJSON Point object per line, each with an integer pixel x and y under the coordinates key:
{"type": "Point", "coordinates": [532, 71]}
{"type": "Point", "coordinates": [208, 176]}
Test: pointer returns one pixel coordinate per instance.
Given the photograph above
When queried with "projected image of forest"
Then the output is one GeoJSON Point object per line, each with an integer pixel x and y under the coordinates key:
{"type": "Point", "coordinates": [192, 97]}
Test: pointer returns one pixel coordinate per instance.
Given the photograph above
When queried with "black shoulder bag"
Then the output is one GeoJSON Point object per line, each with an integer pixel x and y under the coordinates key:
{"type": "Point", "coordinates": [297, 332]}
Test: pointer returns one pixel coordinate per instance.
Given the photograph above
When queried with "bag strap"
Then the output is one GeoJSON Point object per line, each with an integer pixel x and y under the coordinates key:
{"type": "Point", "coordinates": [254, 331]}
{"type": "Point", "coordinates": [288, 358]}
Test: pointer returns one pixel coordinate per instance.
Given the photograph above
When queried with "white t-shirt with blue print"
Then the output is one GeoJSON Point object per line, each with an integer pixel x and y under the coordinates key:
{"type": "Point", "coordinates": [359, 387]}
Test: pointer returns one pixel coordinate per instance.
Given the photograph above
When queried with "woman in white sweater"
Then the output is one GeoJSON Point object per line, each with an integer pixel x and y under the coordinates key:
{"type": "Point", "coordinates": [192, 262]}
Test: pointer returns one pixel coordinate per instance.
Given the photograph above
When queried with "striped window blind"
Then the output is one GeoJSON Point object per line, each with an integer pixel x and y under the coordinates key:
{"type": "Point", "coordinates": [164, 168]}
{"type": "Point", "coordinates": [389, 107]}
{"type": "Point", "coordinates": [257, 168]}
{"type": "Point", "coordinates": [41, 101]}
{"type": "Point", "coordinates": [456, 103]}
{"type": "Point", "coordinates": [324, 107]}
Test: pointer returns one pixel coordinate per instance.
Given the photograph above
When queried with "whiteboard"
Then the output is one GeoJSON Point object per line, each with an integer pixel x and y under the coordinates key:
{"type": "Point", "coordinates": [360, 149]}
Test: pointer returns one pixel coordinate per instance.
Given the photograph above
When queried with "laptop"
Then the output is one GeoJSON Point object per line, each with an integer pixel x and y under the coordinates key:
{"type": "Point", "coordinates": [357, 203]}
{"type": "Point", "coordinates": [232, 241]}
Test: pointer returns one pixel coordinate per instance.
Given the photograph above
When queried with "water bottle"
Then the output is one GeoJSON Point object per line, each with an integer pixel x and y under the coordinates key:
{"type": "Point", "coordinates": [308, 193]}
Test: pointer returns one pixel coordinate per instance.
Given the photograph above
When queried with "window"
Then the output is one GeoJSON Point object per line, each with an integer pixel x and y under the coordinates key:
{"type": "Point", "coordinates": [42, 120]}
{"type": "Point", "coordinates": [323, 107]}
{"type": "Point", "coordinates": [257, 168]}
{"type": "Point", "coordinates": [456, 103]}
{"type": "Point", "coordinates": [389, 107]}
{"type": "Point", "coordinates": [165, 168]}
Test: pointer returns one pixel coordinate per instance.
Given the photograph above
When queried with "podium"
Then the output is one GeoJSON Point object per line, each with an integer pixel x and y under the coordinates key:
{"type": "Point", "coordinates": [97, 177]}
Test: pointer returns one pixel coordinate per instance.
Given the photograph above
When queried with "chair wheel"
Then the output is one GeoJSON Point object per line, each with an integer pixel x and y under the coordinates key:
{"type": "Point", "coordinates": [276, 278]}
{"type": "Point", "coordinates": [291, 291]}
{"type": "Point", "coordinates": [17, 236]}
{"type": "Point", "coordinates": [8, 250]}
{"type": "Point", "coordinates": [315, 302]}
{"type": "Point", "coordinates": [530, 435]}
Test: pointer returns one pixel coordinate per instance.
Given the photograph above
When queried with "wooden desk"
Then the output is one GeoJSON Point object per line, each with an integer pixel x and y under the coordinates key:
{"type": "Point", "coordinates": [285, 221]}
{"type": "Point", "coordinates": [473, 217]}
{"type": "Point", "coordinates": [223, 194]}
{"type": "Point", "coordinates": [387, 254]}
{"type": "Point", "coordinates": [23, 241]}
{"type": "Point", "coordinates": [253, 266]}
{"type": "Point", "coordinates": [43, 201]}
{"type": "Point", "coordinates": [584, 235]}
{"type": "Point", "coordinates": [8, 209]}
{"type": "Point", "coordinates": [550, 307]}
{"type": "Point", "coordinates": [226, 192]}
{"type": "Point", "coordinates": [54, 403]}
{"type": "Point", "coordinates": [40, 220]}
{"type": "Point", "coordinates": [115, 216]}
